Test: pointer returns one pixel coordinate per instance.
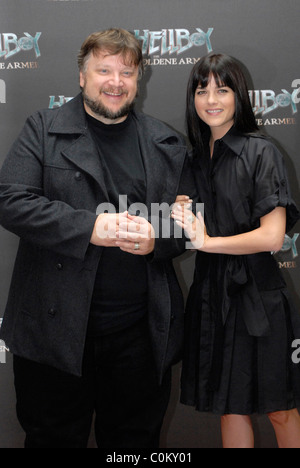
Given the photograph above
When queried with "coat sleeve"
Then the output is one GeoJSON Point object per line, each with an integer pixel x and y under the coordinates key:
{"type": "Point", "coordinates": [271, 186]}
{"type": "Point", "coordinates": [25, 211]}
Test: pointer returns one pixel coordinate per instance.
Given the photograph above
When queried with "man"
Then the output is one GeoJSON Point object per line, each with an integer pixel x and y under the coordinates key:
{"type": "Point", "coordinates": [95, 314]}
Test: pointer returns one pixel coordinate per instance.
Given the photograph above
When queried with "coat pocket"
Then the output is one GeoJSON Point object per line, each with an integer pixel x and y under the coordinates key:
{"type": "Point", "coordinates": [71, 186]}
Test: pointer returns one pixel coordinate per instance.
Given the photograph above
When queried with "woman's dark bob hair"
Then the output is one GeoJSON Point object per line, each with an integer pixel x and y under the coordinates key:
{"type": "Point", "coordinates": [227, 72]}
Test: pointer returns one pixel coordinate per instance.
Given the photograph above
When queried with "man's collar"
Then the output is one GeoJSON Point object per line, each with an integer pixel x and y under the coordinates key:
{"type": "Point", "coordinates": [70, 118]}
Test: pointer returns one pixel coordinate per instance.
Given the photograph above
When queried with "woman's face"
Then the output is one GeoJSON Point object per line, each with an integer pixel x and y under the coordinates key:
{"type": "Point", "coordinates": [216, 107]}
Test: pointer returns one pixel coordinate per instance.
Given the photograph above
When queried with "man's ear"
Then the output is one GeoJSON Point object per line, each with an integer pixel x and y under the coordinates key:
{"type": "Point", "coordinates": [82, 79]}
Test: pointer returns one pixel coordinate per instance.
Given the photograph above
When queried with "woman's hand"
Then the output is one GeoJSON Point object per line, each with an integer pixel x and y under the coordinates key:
{"type": "Point", "coordinates": [193, 226]}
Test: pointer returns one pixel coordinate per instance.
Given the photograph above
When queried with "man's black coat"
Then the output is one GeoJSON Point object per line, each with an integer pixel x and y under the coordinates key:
{"type": "Point", "coordinates": [50, 186]}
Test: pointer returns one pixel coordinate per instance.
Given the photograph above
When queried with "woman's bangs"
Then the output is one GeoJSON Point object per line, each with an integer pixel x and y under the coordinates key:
{"type": "Point", "coordinates": [204, 79]}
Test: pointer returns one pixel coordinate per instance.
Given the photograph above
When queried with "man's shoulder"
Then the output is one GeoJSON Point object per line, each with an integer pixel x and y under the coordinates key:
{"type": "Point", "coordinates": [68, 118]}
{"type": "Point", "coordinates": [44, 114]}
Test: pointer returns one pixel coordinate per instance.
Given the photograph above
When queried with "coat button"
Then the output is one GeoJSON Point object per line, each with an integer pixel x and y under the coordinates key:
{"type": "Point", "coordinates": [52, 312]}
{"type": "Point", "coordinates": [59, 266]}
{"type": "Point", "coordinates": [78, 176]}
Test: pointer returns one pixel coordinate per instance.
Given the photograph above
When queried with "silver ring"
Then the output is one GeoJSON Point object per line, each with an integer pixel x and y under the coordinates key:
{"type": "Point", "coordinates": [136, 246]}
{"type": "Point", "coordinates": [190, 219]}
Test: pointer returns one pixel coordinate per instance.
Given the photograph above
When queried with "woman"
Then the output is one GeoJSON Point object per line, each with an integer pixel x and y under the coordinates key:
{"type": "Point", "coordinates": [239, 323]}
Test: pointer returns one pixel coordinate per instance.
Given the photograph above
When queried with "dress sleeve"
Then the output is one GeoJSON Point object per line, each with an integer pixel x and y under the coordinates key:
{"type": "Point", "coordinates": [271, 186]}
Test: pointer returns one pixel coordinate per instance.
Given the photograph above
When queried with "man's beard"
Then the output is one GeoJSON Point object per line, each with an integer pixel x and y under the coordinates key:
{"type": "Point", "coordinates": [100, 109]}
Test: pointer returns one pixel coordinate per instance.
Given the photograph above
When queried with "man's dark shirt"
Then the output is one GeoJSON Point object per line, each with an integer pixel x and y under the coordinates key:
{"type": "Point", "coordinates": [120, 292]}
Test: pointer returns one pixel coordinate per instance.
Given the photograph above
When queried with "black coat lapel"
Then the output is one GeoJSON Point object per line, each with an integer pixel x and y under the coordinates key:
{"type": "Point", "coordinates": [163, 156]}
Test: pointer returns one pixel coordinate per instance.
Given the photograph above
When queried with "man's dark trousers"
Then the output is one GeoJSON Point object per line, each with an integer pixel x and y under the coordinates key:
{"type": "Point", "coordinates": [119, 383]}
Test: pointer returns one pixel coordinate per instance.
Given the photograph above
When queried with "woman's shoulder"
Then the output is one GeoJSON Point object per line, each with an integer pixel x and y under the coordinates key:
{"type": "Point", "coordinates": [260, 154]}
{"type": "Point", "coordinates": [260, 143]}
{"type": "Point", "coordinates": [261, 149]}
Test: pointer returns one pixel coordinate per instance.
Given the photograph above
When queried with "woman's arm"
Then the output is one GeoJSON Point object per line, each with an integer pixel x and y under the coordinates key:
{"type": "Point", "coordinates": [269, 237]}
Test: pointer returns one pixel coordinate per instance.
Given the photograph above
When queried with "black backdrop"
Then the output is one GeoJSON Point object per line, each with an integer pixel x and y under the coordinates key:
{"type": "Point", "coordinates": [39, 41]}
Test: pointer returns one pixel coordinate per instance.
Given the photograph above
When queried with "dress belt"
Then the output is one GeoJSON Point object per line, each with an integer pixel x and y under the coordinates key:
{"type": "Point", "coordinates": [238, 277]}
{"type": "Point", "coordinates": [231, 275]}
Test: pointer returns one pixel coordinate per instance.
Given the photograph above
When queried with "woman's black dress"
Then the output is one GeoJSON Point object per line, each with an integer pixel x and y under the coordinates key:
{"type": "Point", "coordinates": [240, 323]}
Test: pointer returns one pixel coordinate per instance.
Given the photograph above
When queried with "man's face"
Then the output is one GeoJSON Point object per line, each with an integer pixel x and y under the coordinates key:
{"type": "Point", "coordinates": [109, 87]}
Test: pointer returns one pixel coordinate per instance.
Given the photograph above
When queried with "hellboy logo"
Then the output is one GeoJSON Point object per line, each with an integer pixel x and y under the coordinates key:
{"type": "Point", "coordinates": [171, 41]}
{"type": "Point", "coordinates": [10, 45]}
